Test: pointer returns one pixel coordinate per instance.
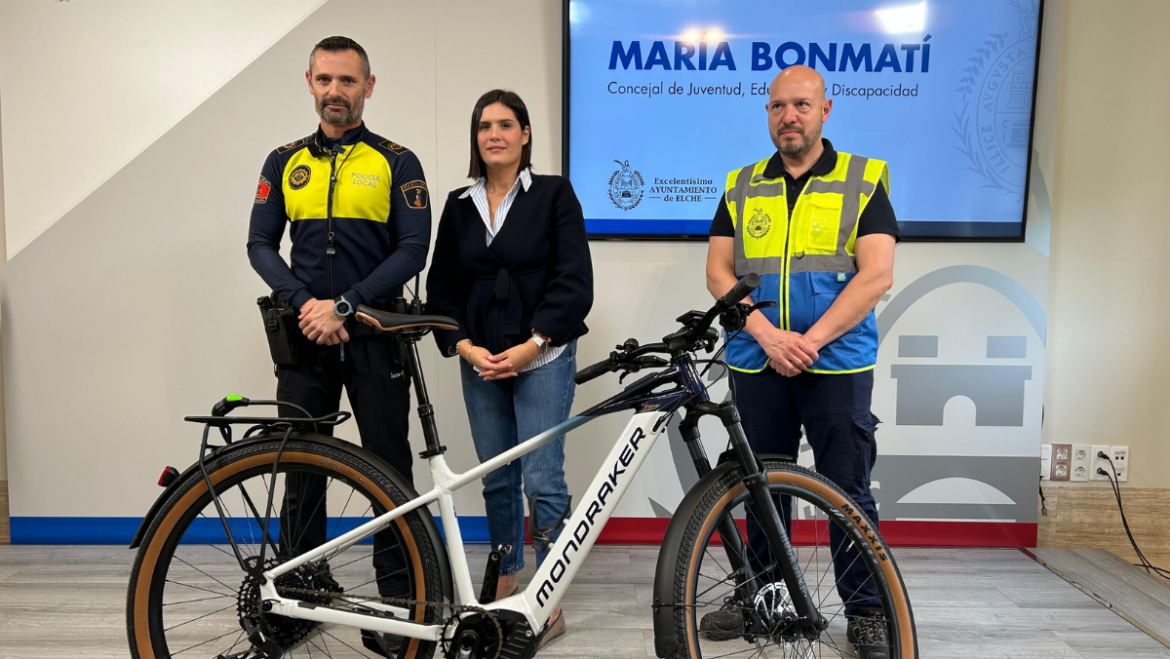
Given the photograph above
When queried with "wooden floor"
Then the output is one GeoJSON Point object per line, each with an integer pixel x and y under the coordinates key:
{"type": "Point", "coordinates": [973, 604]}
{"type": "Point", "coordinates": [1134, 594]}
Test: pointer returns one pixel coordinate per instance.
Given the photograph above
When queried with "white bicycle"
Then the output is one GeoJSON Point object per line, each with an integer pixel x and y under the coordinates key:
{"type": "Point", "coordinates": [221, 569]}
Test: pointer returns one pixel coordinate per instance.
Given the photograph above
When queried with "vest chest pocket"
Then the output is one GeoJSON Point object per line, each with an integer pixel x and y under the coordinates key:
{"type": "Point", "coordinates": [824, 223]}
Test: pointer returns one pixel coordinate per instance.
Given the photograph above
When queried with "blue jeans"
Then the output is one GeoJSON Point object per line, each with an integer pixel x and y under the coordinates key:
{"type": "Point", "coordinates": [504, 413]}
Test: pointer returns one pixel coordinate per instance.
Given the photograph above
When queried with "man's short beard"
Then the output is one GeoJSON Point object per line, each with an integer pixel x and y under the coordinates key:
{"type": "Point", "coordinates": [352, 115]}
{"type": "Point", "coordinates": [798, 150]}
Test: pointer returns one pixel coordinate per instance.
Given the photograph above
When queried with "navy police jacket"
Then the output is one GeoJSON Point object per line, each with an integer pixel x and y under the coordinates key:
{"type": "Point", "coordinates": [358, 213]}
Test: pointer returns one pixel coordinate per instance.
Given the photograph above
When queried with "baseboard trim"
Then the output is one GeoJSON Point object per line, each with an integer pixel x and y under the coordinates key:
{"type": "Point", "coordinates": [619, 531]}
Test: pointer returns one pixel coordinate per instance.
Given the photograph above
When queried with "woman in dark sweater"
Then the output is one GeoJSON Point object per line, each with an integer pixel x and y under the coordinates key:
{"type": "Point", "coordinates": [511, 264]}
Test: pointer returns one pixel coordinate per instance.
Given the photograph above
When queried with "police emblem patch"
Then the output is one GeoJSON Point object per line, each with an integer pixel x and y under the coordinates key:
{"type": "Point", "coordinates": [262, 190]}
{"type": "Point", "coordinates": [393, 146]}
{"type": "Point", "coordinates": [299, 177]}
{"type": "Point", "coordinates": [758, 224]}
{"type": "Point", "coordinates": [625, 186]}
{"type": "Point", "coordinates": [415, 194]}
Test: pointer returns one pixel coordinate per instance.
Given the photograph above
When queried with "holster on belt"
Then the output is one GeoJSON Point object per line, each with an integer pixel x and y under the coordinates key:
{"type": "Point", "coordinates": [281, 328]}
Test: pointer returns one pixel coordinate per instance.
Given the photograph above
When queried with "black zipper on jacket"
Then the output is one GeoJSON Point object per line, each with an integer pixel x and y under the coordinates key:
{"type": "Point", "coordinates": [330, 248]}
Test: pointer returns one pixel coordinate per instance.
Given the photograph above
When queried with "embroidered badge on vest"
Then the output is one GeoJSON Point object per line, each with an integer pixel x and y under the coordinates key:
{"type": "Point", "coordinates": [299, 177]}
{"type": "Point", "coordinates": [758, 224]}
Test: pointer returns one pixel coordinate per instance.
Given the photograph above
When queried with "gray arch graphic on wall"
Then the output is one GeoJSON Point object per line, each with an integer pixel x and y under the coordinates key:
{"type": "Point", "coordinates": [964, 274]}
{"type": "Point", "coordinates": [895, 468]}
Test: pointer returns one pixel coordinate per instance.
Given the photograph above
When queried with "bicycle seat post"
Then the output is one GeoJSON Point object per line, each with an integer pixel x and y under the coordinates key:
{"type": "Point", "coordinates": [426, 413]}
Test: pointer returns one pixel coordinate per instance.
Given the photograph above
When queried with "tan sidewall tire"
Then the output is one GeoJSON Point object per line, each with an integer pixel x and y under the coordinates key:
{"type": "Point", "coordinates": [298, 452]}
{"type": "Point", "coordinates": [780, 473]}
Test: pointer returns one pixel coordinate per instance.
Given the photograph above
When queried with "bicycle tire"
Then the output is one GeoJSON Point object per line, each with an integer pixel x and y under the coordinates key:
{"type": "Point", "coordinates": [149, 574]}
{"type": "Point", "coordinates": [788, 478]}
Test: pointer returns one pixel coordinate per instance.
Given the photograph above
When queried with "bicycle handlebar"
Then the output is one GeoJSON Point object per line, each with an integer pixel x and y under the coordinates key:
{"type": "Point", "coordinates": [590, 372]}
{"type": "Point", "coordinates": [691, 336]}
{"type": "Point", "coordinates": [738, 292]}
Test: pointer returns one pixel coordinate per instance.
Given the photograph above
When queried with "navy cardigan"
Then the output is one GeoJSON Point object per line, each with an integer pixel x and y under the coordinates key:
{"type": "Point", "coordinates": [536, 274]}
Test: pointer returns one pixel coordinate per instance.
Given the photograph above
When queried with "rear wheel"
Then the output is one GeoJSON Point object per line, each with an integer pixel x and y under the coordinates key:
{"type": "Point", "coordinates": [705, 582]}
{"type": "Point", "coordinates": [189, 597]}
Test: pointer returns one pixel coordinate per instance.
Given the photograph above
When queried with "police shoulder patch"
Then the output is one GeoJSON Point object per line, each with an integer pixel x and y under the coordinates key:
{"type": "Point", "coordinates": [415, 194]}
{"type": "Point", "coordinates": [262, 190]}
{"type": "Point", "coordinates": [292, 145]}
{"type": "Point", "coordinates": [393, 147]}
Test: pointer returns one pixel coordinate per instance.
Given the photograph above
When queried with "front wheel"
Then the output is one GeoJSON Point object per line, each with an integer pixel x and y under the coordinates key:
{"type": "Point", "coordinates": [852, 578]}
{"type": "Point", "coordinates": [189, 597]}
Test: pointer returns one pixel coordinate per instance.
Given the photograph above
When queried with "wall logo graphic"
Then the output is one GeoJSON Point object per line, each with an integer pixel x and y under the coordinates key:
{"type": "Point", "coordinates": [626, 186]}
{"type": "Point", "coordinates": [996, 91]}
{"type": "Point", "coordinates": [758, 224]}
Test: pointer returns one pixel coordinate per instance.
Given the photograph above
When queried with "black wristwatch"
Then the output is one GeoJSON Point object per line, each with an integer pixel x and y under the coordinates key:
{"type": "Point", "coordinates": [342, 307]}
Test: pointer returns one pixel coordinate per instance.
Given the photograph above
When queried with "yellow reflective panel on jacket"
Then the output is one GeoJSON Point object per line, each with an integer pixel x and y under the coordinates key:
{"type": "Point", "coordinates": [362, 189]}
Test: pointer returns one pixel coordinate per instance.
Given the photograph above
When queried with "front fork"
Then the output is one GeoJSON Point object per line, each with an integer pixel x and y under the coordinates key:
{"type": "Point", "coordinates": [773, 527]}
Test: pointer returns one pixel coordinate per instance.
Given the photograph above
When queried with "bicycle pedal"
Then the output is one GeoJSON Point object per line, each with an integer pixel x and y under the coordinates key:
{"type": "Point", "coordinates": [491, 574]}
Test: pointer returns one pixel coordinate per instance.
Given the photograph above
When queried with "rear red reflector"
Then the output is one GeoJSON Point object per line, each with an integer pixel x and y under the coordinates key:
{"type": "Point", "coordinates": [168, 476]}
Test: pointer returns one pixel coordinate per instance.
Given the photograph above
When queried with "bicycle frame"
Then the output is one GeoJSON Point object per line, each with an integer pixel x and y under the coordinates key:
{"type": "Point", "coordinates": [568, 553]}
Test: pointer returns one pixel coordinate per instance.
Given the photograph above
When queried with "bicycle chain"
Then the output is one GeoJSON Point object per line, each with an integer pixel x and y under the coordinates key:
{"type": "Point", "coordinates": [458, 608]}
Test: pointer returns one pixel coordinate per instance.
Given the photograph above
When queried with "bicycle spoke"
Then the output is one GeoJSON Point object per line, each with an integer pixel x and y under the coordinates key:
{"type": "Point", "coordinates": [346, 644]}
{"type": "Point", "coordinates": [396, 546]}
{"type": "Point", "coordinates": [384, 576]}
{"type": "Point", "coordinates": [300, 498]}
{"type": "Point", "coordinates": [180, 583]}
{"type": "Point", "coordinates": [259, 521]}
{"type": "Point", "coordinates": [202, 599]}
{"type": "Point", "coordinates": [229, 606]}
{"type": "Point", "coordinates": [319, 649]}
{"type": "Point", "coordinates": [203, 573]}
{"type": "Point", "coordinates": [210, 640]}
{"type": "Point", "coordinates": [343, 509]}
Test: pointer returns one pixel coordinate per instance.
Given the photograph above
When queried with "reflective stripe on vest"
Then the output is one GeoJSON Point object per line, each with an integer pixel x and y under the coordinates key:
{"type": "Point", "coordinates": [794, 255]}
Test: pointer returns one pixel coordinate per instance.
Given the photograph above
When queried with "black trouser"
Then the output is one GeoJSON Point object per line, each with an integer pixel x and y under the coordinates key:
{"type": "Point", "coordinates": [379, 392]}
{"type": "Point", "coordinates": [834, 410]}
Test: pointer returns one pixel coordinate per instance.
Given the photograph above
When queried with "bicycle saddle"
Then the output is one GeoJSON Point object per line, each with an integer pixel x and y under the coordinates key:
{"type": "Point", "coordinates": [393, 322]}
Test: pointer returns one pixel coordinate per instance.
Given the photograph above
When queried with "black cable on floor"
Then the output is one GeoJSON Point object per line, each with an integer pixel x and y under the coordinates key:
{"type": "Point", "coordinates": [1145, 562]}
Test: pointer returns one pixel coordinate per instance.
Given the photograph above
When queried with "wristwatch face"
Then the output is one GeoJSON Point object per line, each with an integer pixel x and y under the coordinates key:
{"type": "Point", "coordinates": [539, 341]}
{"type": "Point", "coordinates": [342, 308]}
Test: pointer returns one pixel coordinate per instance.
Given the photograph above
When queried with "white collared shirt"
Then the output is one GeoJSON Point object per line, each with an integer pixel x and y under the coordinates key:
{"type": "Point", "coordinates": [478, 194]}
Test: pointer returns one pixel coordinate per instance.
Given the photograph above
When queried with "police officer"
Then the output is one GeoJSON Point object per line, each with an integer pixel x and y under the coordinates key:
{"type": "Point", "coordinates": [358, 213]}
{"type": "Point", "coordinates": [817, 225]}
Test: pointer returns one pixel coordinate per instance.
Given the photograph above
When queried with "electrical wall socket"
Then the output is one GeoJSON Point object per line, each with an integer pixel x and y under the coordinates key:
{"type": "Point", "coordinates": [1080, 463]}
{"type": "Point", "coordinates": [1120, 455]}
{"type": "Point", "coordinates": [1061, 462]}
{"type": "Point", "coordinates": [1096, 462]}
{"type": "Point", "coordinates": [1045, 462]}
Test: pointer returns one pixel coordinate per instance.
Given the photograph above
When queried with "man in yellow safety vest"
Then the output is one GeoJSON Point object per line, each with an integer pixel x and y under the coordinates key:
{"type": "Point", "coordinates": [816, 224]}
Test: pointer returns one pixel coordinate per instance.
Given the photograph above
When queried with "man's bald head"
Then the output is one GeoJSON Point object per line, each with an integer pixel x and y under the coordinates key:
{"type": "Point", "coordinates": [796, 109]}
{"type": "Point", "coordinates": [800, 76]}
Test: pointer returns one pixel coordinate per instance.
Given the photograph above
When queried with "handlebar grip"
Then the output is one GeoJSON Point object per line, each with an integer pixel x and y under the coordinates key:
{"type": "Point", "coordinates": [749, 283]}
{"type": "Point", "coordinates": [228, 404]}
{"type": "Point", "coordinates": [590, 372]}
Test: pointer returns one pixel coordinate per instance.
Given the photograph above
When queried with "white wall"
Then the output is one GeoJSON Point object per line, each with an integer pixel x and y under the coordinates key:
{"type": "Point", "coordinates": [88, 85]}
{"type": "Point", "coordinates": [98, 382]}
{"type": "Point", "coordinates": [1110, 299]}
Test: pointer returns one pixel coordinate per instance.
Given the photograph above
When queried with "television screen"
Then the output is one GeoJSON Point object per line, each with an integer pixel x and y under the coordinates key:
{"type": "Point", "coordinates": [665, 97]}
